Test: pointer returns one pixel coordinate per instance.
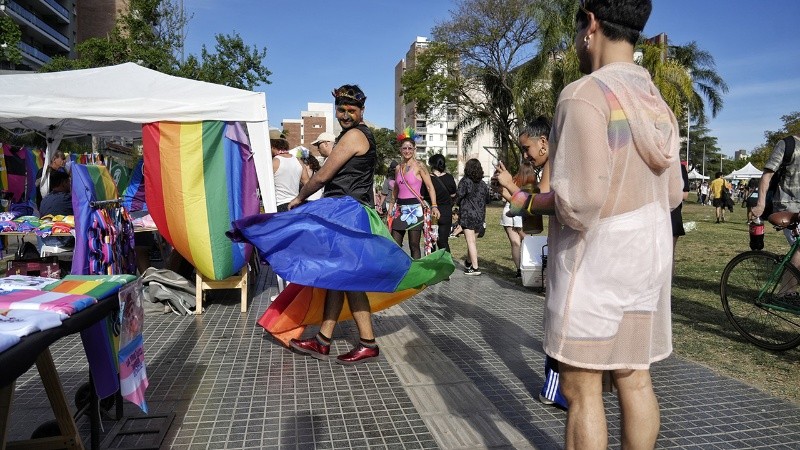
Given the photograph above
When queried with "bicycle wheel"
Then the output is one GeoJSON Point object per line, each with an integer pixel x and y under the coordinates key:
{"type": "Point", "coordinates": [760, 321]}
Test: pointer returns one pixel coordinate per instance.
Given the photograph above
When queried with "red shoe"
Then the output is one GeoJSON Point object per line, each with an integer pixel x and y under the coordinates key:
{"type": "Point", "coordinates": [312, 347]}
{"type": "Point", "coordinates": [358, 355]}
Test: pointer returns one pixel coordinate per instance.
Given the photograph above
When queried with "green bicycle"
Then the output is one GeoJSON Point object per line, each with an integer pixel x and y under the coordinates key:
{"type": "Point", "coordinates": [760, 292]}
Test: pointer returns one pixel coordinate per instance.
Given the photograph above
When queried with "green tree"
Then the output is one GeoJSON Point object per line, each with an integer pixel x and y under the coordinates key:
{"type": "Point", "coordinates": [9, 40]}
{"type": "Point", "coordinates": [791, 126]}
{"type": "Point", "coordinates": [149, 34]}
{"type": "Point", "coordinates": [234, 64]}
{"type": "Point", "coordinates": [387, 150]}
{"type": "Point", "coordinates": [707, 83]}
{"type": "Point", "coordinates": [472, 66]}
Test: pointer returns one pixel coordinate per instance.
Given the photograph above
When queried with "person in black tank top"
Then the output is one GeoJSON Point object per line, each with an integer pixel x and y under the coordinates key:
{"type": "Point", "coordinates": [348, 171]}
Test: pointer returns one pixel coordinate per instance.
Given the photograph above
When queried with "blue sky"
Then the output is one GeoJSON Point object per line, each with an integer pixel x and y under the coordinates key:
{"type": "Point", "coordinates": [316, 45]}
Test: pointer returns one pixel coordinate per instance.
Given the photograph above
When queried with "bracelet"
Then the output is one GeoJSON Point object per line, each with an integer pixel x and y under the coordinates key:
{"type": "Point", "coordinates": [530, 204]}
{"type": "Point", "coordinates": [434, 206]}
{"type": "Point", "coordinates": [517, 202]}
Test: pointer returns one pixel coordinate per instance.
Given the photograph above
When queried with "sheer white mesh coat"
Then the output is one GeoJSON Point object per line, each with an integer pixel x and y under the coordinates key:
{"type": "Point", "coordinates": [616, 176]}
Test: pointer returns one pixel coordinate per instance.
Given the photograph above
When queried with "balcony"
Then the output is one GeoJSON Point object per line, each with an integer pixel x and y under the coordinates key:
{"type": "Point", "coordinates": [36, 25]}
{"type": "Point", "coordinates": [59, 10]}
{"type": "Point", "coordinates": [33, 55]}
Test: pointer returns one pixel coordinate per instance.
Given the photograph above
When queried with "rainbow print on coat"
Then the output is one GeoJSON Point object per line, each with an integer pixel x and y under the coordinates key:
{"type": "Point", "coordinates": [200, 176]}
{"type": "Point", "coordinates": [334, 243]}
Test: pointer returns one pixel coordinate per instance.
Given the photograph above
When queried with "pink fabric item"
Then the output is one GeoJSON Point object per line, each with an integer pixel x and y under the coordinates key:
{"type": "Point", "coordinates": [65, 304]}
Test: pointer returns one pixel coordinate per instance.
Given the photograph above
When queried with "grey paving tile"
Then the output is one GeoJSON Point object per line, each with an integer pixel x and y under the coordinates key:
{"type": "Point", "coordinates": [461, 367]}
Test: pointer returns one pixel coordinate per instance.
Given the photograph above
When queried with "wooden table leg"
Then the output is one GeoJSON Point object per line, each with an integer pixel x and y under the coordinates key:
{"type": "Point", "coordinates": [198, 294]}
{"type": "Point", "coordinates": [55, 393]}
{"type": "Point", "coordinates": [5, 411]}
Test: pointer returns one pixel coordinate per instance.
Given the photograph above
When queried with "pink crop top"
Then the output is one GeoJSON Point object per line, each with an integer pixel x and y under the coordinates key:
{"type": "Point", "coordinates": [403, 191]}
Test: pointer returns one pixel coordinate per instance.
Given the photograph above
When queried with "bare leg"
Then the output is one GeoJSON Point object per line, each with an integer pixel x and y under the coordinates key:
{"type": "Point", "coordinates": [334, 300]}
{"type": "Point", "coordinates": [586, 418]}
{"type": "Point", "coordinates": [516, 241]}
{"type": "Point", "coordinates": [639, 406]}
{"type": "Point", "coordinates": [362, 314]}
{"type": "Point", "coordinates": [472, 247]}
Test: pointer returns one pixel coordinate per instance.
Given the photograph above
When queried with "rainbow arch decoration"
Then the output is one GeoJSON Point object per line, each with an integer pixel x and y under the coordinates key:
{"type": "Point", "coordinates": [199, 177]}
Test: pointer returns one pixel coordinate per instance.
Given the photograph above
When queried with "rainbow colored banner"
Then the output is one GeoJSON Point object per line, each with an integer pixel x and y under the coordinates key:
{"type": "Point", "coordinates": [89, 183]}
{"type": "Point", "coordinates": [199, 177]}
{"type": "Point", "coordinates": [334, 243]}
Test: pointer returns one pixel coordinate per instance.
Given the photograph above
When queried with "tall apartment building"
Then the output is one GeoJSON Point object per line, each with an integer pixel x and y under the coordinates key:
{"type": "Point", "coordinates": [436, 131]}
{"type": "Point", "coordinates": [48, 29]}
{"type": "Point", "coordinates": [318, 119]}
{"type": "Point", "coordinates": [52, 28]}
{"type": "Point", "coordinates": [96, 18]}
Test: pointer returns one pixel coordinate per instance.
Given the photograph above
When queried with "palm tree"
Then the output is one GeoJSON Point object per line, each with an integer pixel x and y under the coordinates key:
{"type": "Point", "coordinates": [707, 82]}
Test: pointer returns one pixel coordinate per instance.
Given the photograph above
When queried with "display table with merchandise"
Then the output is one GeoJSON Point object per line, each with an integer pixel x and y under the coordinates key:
{"type": "Point", "coordinates": [35, 348]}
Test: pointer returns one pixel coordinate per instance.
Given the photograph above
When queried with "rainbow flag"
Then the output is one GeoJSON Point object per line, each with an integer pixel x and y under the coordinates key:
{"type": "Point", "coordinates": [64, 304]}
{"type": "Point", "coordinates": [334, 243]}
{"type": "Point", "coordinates": [199, 177]}
{"type": "Point", "coordinates": [133, 198]}
{"type": "Point", "coordinates": [89, 183]}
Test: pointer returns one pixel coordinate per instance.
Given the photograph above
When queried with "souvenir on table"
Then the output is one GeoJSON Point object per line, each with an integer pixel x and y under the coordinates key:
{"type": "Point", "coordinates": [17, 282]}
{"type": "Point", "coordinates": [132, 370]}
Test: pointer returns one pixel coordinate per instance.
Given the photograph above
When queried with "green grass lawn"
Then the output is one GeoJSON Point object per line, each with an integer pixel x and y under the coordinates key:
{"type": "Point", "coordinates": [701, 331]}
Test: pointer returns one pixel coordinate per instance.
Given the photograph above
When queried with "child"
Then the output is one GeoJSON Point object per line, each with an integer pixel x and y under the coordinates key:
{"type": "Point", "coordinates": [455, 230]}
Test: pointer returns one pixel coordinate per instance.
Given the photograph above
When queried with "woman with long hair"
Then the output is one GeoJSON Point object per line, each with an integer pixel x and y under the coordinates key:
{"type": "Point", "coordinates": [472, 194]}
{"type": "Point", "coordinates": [311, 166]}
{"type": "Point", "coordinates": [410, 175]}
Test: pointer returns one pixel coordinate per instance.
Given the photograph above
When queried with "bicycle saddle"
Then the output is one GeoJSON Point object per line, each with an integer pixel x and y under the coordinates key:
{"type": "Point", "coordinates": [783, 219]}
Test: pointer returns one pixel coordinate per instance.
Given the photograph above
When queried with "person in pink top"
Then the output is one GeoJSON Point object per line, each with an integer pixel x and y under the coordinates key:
{"type": "Point", "coordinates": [410, 174]}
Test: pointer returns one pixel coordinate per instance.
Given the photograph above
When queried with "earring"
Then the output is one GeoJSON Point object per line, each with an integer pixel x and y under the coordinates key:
{"type": "Point", "coordinates": [542, 151]}
{"type": "Point", "coordinates": [586, 41]}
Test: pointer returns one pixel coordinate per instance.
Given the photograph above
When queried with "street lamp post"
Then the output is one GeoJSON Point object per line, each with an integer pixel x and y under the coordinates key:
{"type": "Point", "coordinates": [688, 126]}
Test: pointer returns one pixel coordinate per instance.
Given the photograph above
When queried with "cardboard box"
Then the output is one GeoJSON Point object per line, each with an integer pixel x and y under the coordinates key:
{"type": "Point", "coordinates": [532, 260]}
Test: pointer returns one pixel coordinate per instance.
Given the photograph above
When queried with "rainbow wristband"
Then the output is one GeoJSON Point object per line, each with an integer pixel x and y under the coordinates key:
{"type": "Point", "coordinates": [518, 202]}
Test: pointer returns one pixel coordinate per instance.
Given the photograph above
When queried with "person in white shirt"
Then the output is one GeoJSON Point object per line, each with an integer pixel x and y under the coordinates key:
{"type": "Point", "coordinates": [287, 171]}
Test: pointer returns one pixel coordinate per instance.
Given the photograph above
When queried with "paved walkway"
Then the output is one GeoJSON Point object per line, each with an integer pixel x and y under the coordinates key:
{"type": "Point", "coordinates": [461, 368]}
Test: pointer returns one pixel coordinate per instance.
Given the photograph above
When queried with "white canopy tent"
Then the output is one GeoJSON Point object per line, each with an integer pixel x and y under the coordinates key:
{"type": "Point", "coordinates": [695, 175]}
{"type": "Point", "coordinates": [117, 100]}
{"type": "Point", "coordinates": [745, 173]}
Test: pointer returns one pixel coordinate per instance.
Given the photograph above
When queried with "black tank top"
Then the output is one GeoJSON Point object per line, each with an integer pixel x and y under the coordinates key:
{"type": "Point", "coordinates": [357, 175]}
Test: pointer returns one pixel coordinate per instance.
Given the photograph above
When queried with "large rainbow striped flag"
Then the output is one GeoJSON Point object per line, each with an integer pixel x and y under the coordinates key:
{"type": "Point", "coordinates": [199, 177]}
{"type": "Point", "coordinates": [334, 243]}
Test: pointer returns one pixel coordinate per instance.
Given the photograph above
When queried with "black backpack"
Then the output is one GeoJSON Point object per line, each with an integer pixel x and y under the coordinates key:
{"type": "Point", "coordinates": [776, 179]}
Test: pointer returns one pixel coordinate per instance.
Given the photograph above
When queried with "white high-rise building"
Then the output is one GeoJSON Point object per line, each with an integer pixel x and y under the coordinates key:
{"type": "Point", "coordinates": [437, 130]}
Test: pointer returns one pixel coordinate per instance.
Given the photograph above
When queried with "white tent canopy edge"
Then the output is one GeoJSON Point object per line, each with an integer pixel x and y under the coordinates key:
{"type": "Point", "coordinates": [117, 100]}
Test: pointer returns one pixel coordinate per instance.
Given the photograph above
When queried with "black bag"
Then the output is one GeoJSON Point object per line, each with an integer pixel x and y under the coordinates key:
{"type": "Point", "coordinates": [482, 230]}
{"type": "Point", "coordinates": [775, 181]}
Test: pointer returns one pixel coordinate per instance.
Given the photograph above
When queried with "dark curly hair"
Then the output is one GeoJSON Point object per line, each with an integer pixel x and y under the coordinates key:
{"type": "Point", "coordinates": [473, 170]}
{"type": "Point", "coordinates": [312, 162]}
{"type": "Point", "coordinates": [437, 162]}
{"type": "Point", "coordinates": [620, 19]}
